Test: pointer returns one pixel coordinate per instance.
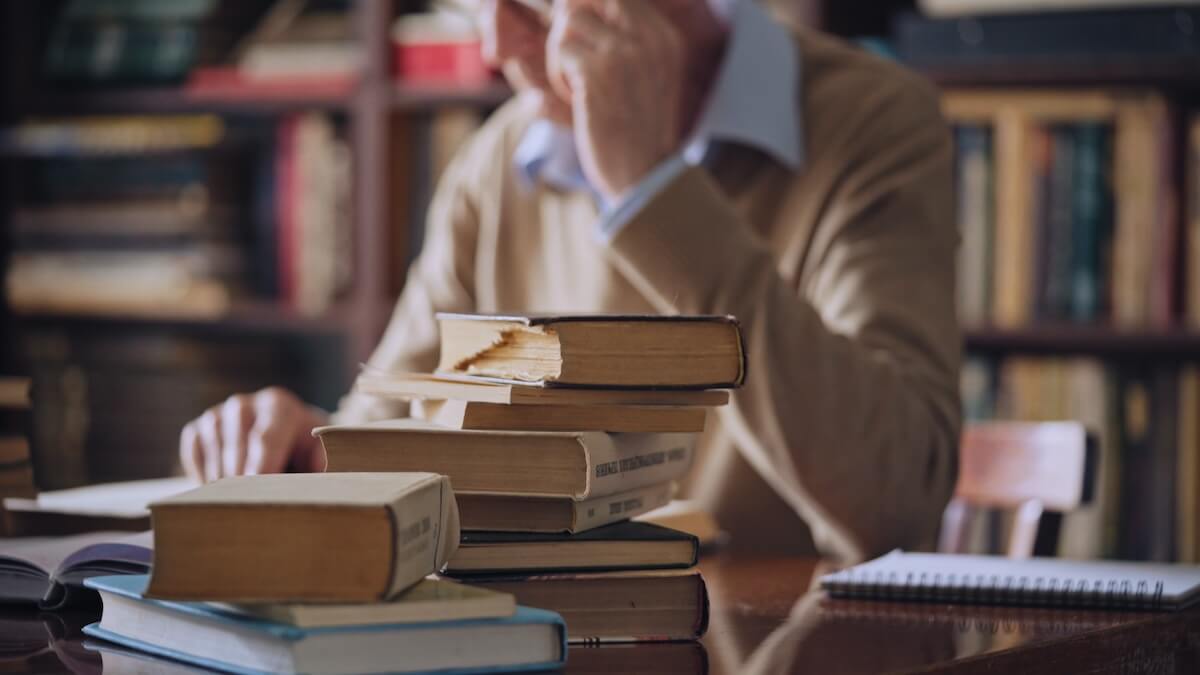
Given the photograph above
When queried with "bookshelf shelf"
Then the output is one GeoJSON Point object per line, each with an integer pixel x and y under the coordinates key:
{"type": "Point", "coordinates": [1107, 341]}
{"type": "Point", "coordinates": [248, 316]}
{"type": "Point", "coordinates": [413, 96]}
{"type": "Point", "coordinates": [1170, 75]}
{"type": "Point", "coordinates": [176, 100]}
{"type": "Point", "coordinates": [168, 100]}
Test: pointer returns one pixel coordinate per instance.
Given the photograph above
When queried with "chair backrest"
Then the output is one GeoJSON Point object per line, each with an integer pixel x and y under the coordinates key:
{"type": "Point", "coordinates": [1029, 467]}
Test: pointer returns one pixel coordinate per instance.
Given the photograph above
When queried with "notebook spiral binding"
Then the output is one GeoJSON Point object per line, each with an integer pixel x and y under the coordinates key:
{"type": "Point", "coordinates": [996, 589]}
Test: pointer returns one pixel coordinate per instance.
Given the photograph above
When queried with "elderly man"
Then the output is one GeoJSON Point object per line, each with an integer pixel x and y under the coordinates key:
{"type": "Point", "coordinates": [682, 156]}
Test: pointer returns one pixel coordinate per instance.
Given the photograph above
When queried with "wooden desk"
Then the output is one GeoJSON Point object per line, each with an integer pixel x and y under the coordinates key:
{"type": "Point", "coordinates": [765, 620]}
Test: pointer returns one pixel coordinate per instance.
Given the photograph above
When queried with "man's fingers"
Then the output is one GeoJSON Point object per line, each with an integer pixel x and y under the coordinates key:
{"type": "Point", "coordinates": [237, 414]}
{"type": "Point", "coordinates": [273, 434]}
{"type": "Point", "coordinates": [191, 454]}
{"type": "Point", "coordinates": [208, 428]}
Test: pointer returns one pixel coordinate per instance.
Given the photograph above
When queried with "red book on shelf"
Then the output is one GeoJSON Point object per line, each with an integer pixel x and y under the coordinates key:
{"type": "Point", "coordinates": [229, 82]}
{"type": "Point", "coordinates": [440, 63]}
{"type": "Point", "coordinates": [437, 49]}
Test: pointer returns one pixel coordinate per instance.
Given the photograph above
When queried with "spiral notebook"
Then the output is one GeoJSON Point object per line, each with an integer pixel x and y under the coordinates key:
{"type": "Point", "coordinates": [993, 580]}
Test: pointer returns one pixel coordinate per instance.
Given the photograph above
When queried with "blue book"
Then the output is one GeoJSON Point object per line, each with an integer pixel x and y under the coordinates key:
{"type": "Point", "coordinates": [202, 634]}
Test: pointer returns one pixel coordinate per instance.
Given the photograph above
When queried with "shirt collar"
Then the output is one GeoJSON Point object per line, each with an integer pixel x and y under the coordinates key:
{"type": "Point", "coordinates": [754, 102]}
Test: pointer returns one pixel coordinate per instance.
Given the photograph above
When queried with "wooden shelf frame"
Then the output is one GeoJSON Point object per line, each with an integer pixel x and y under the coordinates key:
{"type": "Point", "coordinates": [1169, 343]}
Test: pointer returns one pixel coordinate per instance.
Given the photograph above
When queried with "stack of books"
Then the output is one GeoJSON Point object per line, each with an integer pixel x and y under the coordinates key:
{"type": "Point", "coordinates": [555, 432]}
{"type": "Point", "coordinates": [16, 463]}
{"type": "Point", "coordinates": [317, 573]}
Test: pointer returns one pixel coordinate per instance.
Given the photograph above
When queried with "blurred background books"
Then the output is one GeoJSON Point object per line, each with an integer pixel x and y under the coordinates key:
{"type": "Point", "coordinates": [199, 197]}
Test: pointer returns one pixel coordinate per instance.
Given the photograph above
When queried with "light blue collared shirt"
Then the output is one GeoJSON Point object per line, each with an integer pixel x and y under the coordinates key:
{"type": "Point", "coordinates": [754, 102]}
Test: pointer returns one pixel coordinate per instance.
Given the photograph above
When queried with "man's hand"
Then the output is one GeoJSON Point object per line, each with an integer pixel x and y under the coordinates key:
{"type": "Point", "coordinates": [264, 432]}
{"type": "Point", "coordinates": [621, 64]}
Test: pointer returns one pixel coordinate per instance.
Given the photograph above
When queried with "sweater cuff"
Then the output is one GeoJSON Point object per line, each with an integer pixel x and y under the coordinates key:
{"type": "Point", "coordinates": [616, 216]}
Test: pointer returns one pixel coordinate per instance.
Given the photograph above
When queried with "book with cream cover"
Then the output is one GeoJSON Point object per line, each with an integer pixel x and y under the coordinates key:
{"type": "Point", "coordinates": [300, 537]}
{"type": "Point", "coordinates": [684, 352]}
{"type": "Point", "coordinates": [579, 465]}
{"type": "Point", "coordinates": [472, 415]}
{"type": "Point", "coordinates": [510, 513]}
{"type": "Point", "coordinates": [411, 386]}
{"type": "Point", "coordinates": [429, 600]}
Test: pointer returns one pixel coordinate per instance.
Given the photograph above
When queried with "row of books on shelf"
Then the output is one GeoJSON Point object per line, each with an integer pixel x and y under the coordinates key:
{"type": "Point", "coordinates": [571, 428]}
{"type": "Point", "coordinates": [1134, 39]}
{"type": "Point", "coordinates": [16, 461]}
{"type": "Point", "coordinates": [177, 215]}
{"type": "Point", "coordinates": [288, 47]}
{"type": "Point", "coordinates": [1145, 418]}
{"type": "Point", "coordinates": [1070, 210]}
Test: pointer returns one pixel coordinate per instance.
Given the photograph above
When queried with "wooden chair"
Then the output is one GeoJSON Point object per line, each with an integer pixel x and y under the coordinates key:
{"type": "Point", "coordinates": [1031, 468]}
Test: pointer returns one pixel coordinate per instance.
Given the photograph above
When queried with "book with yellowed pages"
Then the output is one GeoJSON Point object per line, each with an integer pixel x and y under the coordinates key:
{"type": "Point", "coordinates": [298, 537]}
{"type": "Point", "coordinates": [455, 414]}
{"type": "Point", "coordinates": [685, 352]}
{"type": "Point", "coordinates": [626, 545]}
{"type": "Point", "coordinates": [510, 513]}
{"type": "Point", "coordinates": [579, 465]}
{"type": "Point", "coordinates": [428, 601]}
{"type": "Point", "coordinates": [417, 386]}
{"type": "Point", "coordinates": [624, 606]}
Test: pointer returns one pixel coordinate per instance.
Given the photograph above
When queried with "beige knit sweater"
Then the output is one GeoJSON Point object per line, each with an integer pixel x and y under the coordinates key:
{"type": "Point", "coordinates": [842, 274]}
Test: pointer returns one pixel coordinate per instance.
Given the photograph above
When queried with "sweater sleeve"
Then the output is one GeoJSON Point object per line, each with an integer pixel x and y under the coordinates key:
{"type": "Point", "coordinates": [441, 279]}
{"type": "Point", "coordinates": [850, 408]}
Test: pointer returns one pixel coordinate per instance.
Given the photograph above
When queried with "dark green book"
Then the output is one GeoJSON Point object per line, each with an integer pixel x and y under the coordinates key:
{"type": "Point", "coordinates": [1091, 220]}
{"type": "Point", "coordinates": [1056, 292]}
{"type": "Point", "coordinates": [627, 545]}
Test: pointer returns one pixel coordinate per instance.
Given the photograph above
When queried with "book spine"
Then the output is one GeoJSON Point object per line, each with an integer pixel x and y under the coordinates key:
{"type": "Point", "coordinates": [1015, 209]}
{"type": "Point", "coordinates": [425, 523]}
{"type": "Point", "coordinates": [1193, 265]}
{"type": "Point", "coordinates": [1164, 256]}
{"type": "Point", "coordinates": [1057, 291]}
{"type": "Point", "coordinates": [621, 462]}
{"type": "Point", "coordinates": [593, 513]}
{"type": "Point", "coordinates": [1137, 494]}
{"type": "Point", "coordinates": [1091, 220]}
{"type": "Point", "coordinates": [973, 174]}
{"type": "Point", "coordinates": [1186, 462]}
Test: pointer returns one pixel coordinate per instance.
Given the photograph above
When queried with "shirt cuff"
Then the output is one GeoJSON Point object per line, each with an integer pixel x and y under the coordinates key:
{"type": "Point", "coordinates": [615, 216]}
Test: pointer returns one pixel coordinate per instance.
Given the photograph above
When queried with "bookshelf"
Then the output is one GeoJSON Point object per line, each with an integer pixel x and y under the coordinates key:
{"type": "Point", "coordinates": [379, 116]}
{"type": "Point", "coordinates": [1132, 380]}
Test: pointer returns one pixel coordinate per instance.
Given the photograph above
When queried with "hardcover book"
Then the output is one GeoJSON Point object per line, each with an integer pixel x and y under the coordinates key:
{"type": "Point", "coordinates": [293, 537]}
{"type": "Point", "coordinates": [510, 513]}
{"type": "Point", "coordinates": [200, 634]}
{"type": "Point", "coordinates": [579, 465]}
{"type": "Point", "coordinates": [684, 352]}
{"type": "Point", "coordinates": [409, 386]}
{"type": "Point", "coordinates": [627, 545]}
{"type": "Point", "coordinates": [642, 606]}
{"type": "Point", "coordinates": [454, 414]}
